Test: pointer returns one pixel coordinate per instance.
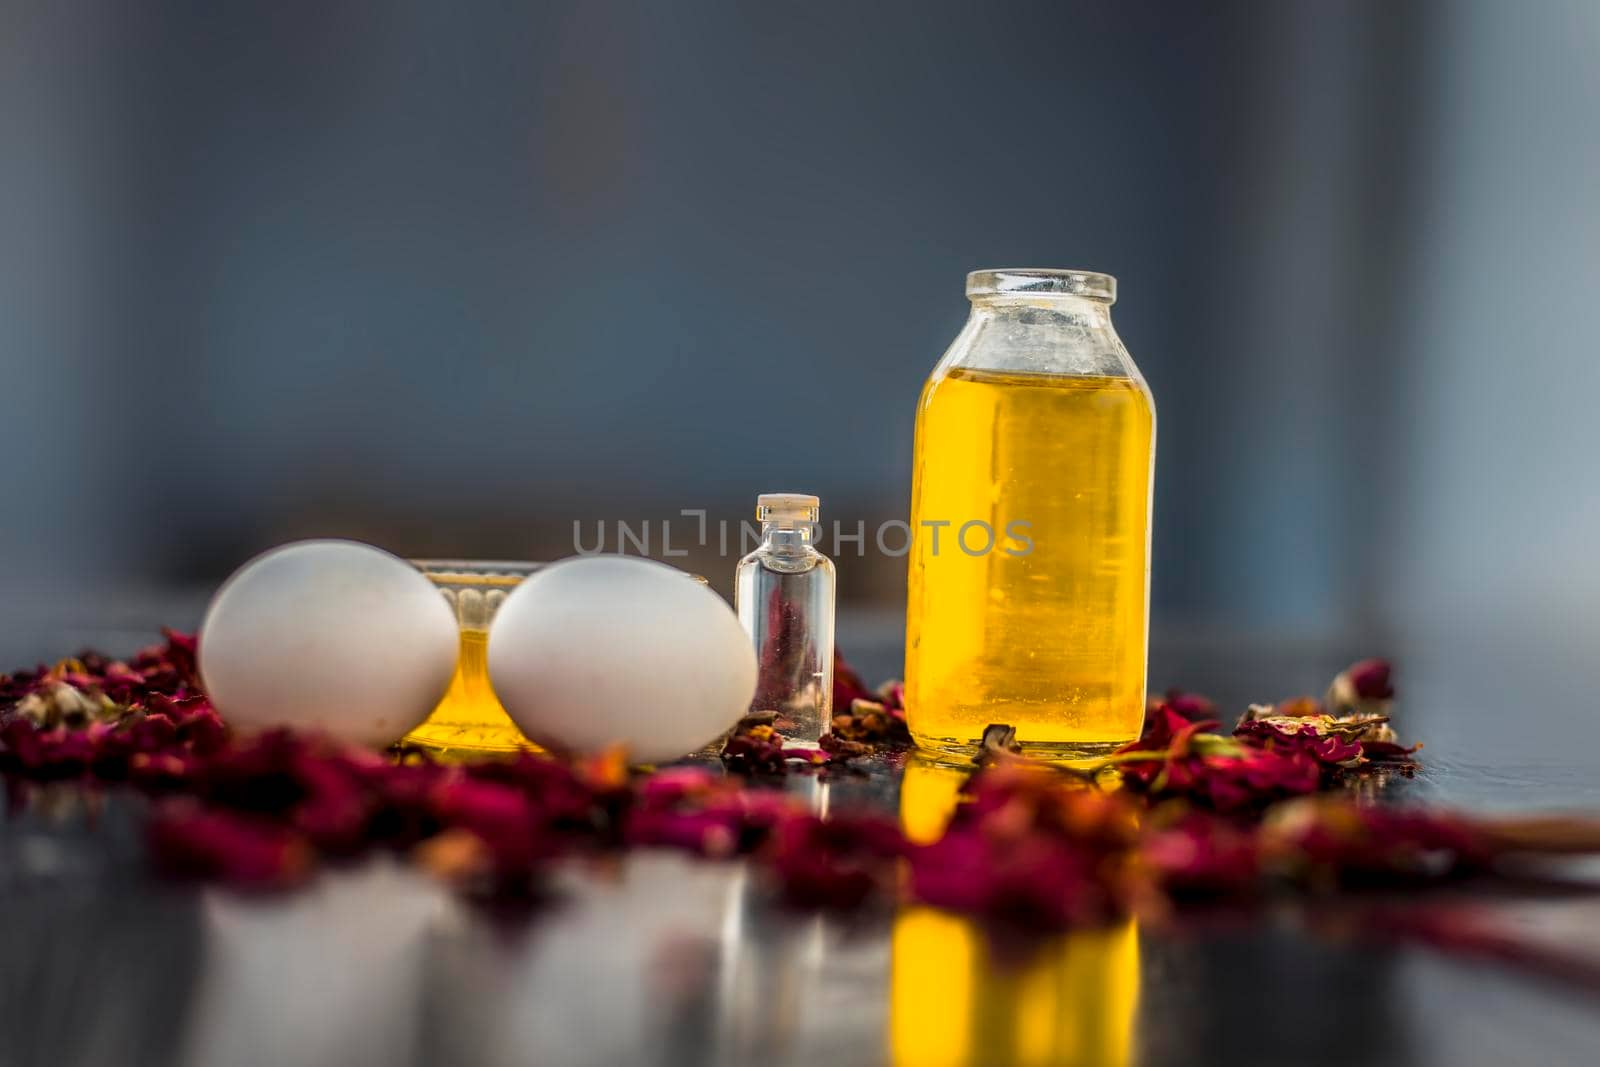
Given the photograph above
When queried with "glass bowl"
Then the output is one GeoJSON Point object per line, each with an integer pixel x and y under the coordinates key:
{"type": "Point", "coordinates": [470, 719]}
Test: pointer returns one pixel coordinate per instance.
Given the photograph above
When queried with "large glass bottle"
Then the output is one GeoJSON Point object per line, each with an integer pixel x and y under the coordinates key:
{"type": "Point", "coordinates": [1030, 509]}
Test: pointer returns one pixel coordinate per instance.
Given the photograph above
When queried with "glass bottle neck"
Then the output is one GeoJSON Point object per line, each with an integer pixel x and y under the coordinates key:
{"type": "Point", "coordinates": [1044, 309]}
{"type": "Point", "coordinates": [787, 536]}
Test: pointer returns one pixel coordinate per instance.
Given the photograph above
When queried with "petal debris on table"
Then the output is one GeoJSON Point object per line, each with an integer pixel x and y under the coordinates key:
{"type": "Point", "coordinates": [1199, 813]}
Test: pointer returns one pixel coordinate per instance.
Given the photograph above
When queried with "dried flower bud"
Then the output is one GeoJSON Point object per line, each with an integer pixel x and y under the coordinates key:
{"type": "Point", "coordinates": [759, 748]}
{"type": "Point", "coordinates": [63, 704]}
{"type": "Point", "coordinates": [1362, 688]}
{"type": "Point", "coordinates": [1257, 712]}
{"type": "Point", "coordinates": [871, 722]}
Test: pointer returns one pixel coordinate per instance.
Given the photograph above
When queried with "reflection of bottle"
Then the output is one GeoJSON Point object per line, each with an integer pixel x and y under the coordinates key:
{"type": "Point", "coordinates": [784, 593]}
{"type": "Point", "coordinates": [1071, 1000]}
{"type": "Point", "coordinates": [929, 792]}
{"type": "Point", "coordinates": [770, 973]}
{"type": "Point", "coordinates": [1029, 569]}
{"type": "Point", "coordinates": [951, 1002]}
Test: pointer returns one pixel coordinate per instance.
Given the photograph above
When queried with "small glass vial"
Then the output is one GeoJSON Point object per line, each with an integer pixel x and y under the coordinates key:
{"type": "Point", "coordinates": [784, 593]}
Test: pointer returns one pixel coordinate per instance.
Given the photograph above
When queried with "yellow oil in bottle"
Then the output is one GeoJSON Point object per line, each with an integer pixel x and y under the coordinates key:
{"type": "Point", "coordinates": [470, 719]}
{"type": "Point", "coordinates": [1045, 629]}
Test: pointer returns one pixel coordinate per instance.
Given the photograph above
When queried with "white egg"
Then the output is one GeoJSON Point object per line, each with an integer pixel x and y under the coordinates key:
{"type": "Point", "coordinates": [334, 636]}
{"type": "Point", "coordinates": [607, 650]}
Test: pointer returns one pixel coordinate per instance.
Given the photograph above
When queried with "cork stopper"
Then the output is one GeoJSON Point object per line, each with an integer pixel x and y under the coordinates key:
{"type": "Point", "coordinates": [786, 508]}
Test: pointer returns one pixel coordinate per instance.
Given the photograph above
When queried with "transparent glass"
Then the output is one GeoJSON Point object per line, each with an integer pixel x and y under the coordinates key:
{"type": "Point", "coordinates": [469, 720]}
{"type": "Point", "coordinates": [1029, 574]}
{"type": "Point", "coordinates": [784, 594]}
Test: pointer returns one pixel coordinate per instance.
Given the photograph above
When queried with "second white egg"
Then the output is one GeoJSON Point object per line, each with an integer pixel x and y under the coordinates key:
{"type": "Point", "coordinates": [608, 650]}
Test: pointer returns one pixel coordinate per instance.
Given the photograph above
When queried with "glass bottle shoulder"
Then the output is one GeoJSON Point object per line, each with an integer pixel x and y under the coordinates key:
{"type": "Point", "coordinates": [788, 561]}
{"type": "Point", "coordinates": [1058, 338]}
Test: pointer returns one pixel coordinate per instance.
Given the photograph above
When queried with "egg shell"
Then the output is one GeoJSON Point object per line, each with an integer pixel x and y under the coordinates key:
{"type": "Point", "coordinates": [605, 650]}
{"type": "Point", "coordinates": [328, 635]}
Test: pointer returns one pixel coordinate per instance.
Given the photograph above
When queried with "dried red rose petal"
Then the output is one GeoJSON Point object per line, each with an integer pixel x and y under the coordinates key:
{"type": "Point", "coordinates": [1027, 849]}
{"type": "Point", "coordinates": [1314, 738]}
{"type": "Point", "coordinates": [833, 863]}
{"type": "Point", "coordinates": [567, 800]}
{"type": "Point", "coordinates": [55, 753]}
{"type": "Point", "coordinates": [840, 749]}
{"type": "Point", "coordinates": [1298, 707]}
{"type": "Point", "coordinates": [500, 816]}
{"type": "Point", "coordinates": [20, 745]}
{"type": "Point", "coordinates": [1025, 846]}
{"type": "Point", "coordinates": [1167, 734]}
{"type": "Point", "coordinates": [847, 684]}
{"type": "Point", "coordinates": [690, 809]}
{"type": "Point", "coordinates": [189, 841]}
{"type": "Point", "coordinates": [334, 812]}
{"type": "Point", "coordinates": [115, 746]}
{"type": "Point", "coordinates": [757, 749]}
{"type": "Point", "coordinates": [1191, 706]}
{"type": "Point", "coordinates": [162, 771]}
{"type": "Point", "coordinates": [1178, 758]}
{"type": "Point", "coordinates": [1032, 881]}
{"type": "Point", "coordinates": [457, 856]}
{"type": "Point", "coordinates": [1388, 752]}
{"type": "Point", "coordinates": [1201, 854]}
{"type": "Point", "coordinates": [172, 666]}
{"type": "Point", "coordinates": [872, 723]}
{"type": "Point", "coordinates": [1330, 841]}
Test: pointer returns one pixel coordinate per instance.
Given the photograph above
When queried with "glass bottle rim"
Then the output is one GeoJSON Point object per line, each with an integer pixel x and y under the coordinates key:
{"type": "Point", "coordinates": [1041, 281]}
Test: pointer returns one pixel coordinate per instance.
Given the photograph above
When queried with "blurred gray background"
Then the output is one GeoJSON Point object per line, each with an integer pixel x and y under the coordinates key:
{"type": "Point", "coordinates": [449, 277]}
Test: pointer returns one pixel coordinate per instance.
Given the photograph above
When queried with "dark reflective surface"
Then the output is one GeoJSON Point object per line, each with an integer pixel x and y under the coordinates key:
{"type": "Point", "coordinates": [659, 959]}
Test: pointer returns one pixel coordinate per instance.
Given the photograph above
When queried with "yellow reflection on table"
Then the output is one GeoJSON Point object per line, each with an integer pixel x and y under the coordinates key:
{"type": "Point", "coordinates": [930, 789]}
{"type": "Point", "coordinates": [1069, 1000]}
{"type": "Point", "coordinates": [951, 1002]}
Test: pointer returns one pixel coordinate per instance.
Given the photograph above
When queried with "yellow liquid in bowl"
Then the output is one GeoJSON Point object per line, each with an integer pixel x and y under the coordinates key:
{"type": "Point", "coordinates": [470, 719]}
{"type": "Point", "coordinates": [1046, 630]}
